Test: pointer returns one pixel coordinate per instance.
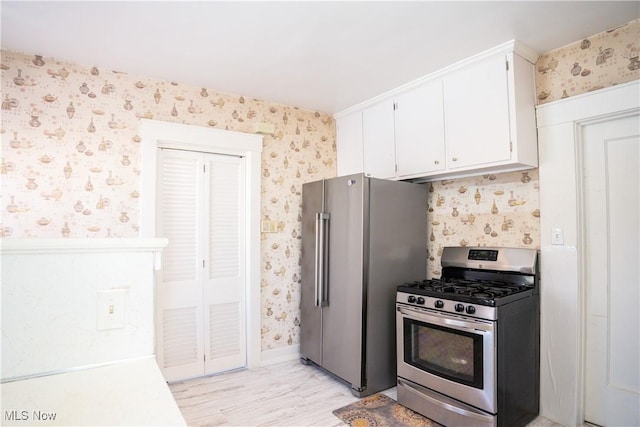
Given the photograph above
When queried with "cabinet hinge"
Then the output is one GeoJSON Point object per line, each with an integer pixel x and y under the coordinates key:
{"type": "Point", "coordinates": [396, 169]}
{"type": "Point", "coordinates": [395, 106]}
{"type": "Point", "coordinates": [204, 168]}
{"type": "Point", "coordinates": [511, 146]}
{"type": "Point", "coordinates": [202, 263]}
{"type": "Point", "coordinates": [507, 64]}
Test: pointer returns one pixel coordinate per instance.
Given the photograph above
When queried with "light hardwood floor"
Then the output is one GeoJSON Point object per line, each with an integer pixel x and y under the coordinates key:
{"type": "Point", "coordinates": [284, 394]}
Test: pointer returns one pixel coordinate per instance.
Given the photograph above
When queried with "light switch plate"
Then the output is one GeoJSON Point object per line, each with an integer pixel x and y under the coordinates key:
{"type": "Point", "coordinates": [557, 236]}
{"type": "Point", "coordinates": [268, 226]}
{"type": "Point", "coordinates": [111, 309]}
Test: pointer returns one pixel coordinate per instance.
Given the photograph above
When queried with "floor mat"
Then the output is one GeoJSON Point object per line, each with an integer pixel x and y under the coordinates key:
{"type": "Point", "coordinates": [380, 410]}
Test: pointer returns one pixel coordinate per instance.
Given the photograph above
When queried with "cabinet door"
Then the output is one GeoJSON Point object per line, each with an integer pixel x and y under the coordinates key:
{"type": "Point", "coordinates": [378, 138]}
{"type": "Point", "coordinates": [419, 130]}
{"type": "Point", "coordinates": [349, 144]}
{"type": "Point", "coordinates": [477, 114]}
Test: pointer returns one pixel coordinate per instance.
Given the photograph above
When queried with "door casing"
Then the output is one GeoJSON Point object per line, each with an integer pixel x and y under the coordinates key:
{"type": "Point", "coordinates": [562, 292]}
{"type": "Point", "coordinates": [156, 134]}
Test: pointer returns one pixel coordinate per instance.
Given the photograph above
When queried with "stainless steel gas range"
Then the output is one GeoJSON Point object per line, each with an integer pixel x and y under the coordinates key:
{"type": "Point", "coordinates": [468, 343]}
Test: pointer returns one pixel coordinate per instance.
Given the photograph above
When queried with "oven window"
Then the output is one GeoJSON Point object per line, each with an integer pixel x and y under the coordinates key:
{"type": "Point", "coordinates": [449, 353]}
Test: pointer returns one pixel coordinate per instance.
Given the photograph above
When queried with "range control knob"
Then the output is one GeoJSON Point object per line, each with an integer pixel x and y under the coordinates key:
{"type": "Point", "coordinates": [459, 308]}
{"type": "Point", "coordinates": [471, 309]}
{"type": "Point", "coordinates": [438, 304]}
{"type": "Point", "coordinates": [411, 299]}
{"type": "Point", "coordinates": [420, 300]}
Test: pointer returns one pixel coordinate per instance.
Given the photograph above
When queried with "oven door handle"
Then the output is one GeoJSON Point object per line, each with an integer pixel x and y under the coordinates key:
{"type": "Point", "coordinates": [471, 325]}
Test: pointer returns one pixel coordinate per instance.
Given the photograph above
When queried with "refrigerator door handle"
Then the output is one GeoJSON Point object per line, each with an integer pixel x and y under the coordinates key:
{"type": "Point", "coordinates": [324, 294]}
{"type": "Point", "coordinates": [317, 261]}
{"type": "Point", "coordinates": [320, 266]}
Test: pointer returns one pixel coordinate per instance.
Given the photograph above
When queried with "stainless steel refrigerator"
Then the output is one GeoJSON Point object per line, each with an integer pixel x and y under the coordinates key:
{"type": "Point", "coordinates": [361, 238]}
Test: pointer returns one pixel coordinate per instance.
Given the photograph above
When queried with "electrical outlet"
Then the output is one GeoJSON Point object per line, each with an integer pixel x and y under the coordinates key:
{"type": "Point", "coordinates": [111, 309]}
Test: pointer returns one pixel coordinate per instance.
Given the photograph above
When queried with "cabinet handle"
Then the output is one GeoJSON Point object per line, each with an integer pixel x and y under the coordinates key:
{"type": "Point", "coordinates": [437, 162]}
{"type": "Point", "coordinates": [455, 159]}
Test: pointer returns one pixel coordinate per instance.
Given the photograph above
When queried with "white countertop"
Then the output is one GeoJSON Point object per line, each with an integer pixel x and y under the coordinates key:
{"type": "Point", "coordinates": [128, 393]}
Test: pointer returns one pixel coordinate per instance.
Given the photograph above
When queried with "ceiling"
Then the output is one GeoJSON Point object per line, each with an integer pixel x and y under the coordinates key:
{"type": "Point", "coordinates": [322, 56]}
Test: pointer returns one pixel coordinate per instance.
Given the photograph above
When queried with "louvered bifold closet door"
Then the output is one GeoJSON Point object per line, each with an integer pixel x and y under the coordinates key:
{"type": "Point", "coordinates": [201, 295]}
{"type": "Point", "coordinates": [179, 305]}
{"type": "Point", "coordinates": [224, 276]}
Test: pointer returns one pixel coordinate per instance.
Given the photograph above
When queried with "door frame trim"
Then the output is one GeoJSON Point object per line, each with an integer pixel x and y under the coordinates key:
{"type": "Point", "coordinates": [562, 290]}
{"type": "Point", "coordinates": [158, 134]}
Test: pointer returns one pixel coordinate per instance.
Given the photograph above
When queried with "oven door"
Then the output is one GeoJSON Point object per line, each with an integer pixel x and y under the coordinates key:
{"type": "Point", "coordinates": [452, 355]}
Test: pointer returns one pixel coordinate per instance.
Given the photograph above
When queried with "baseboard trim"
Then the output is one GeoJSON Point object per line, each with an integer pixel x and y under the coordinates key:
{"type": "Point", "coordinates": [277, 355]}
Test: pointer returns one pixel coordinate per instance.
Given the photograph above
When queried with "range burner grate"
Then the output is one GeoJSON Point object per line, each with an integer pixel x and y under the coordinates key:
{"type": "Point", "coordinates": [481, 291]}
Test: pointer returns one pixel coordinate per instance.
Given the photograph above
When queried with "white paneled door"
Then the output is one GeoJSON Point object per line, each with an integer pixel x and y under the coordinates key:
{"type": "Point", "coordinates": [201, 293]}
{"type": "Point", "coordinates": [611, 161]}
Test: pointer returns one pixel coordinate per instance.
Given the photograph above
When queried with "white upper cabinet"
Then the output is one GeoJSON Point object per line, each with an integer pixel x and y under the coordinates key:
{"type": "Point", "coordinates": [419, 133]}
{"type": "Point", "coordinates": [349, 143]}
{"type": "Point", "coordinates": [474, 117]}
{"type": "Point", "coordinates": [404, 136]}
{"type": "Point", "coordinates": [489, 112]}
{"type": "Point", "coordinates": [378, 140]}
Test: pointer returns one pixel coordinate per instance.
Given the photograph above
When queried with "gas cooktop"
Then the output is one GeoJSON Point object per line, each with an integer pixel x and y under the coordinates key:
{"type": "Point", "coordinates": [475, 281]}
{"type": "Point", "coordinates": [480, 292]}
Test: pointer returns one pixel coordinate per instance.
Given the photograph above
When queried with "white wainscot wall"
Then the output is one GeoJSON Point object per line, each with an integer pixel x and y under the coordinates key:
{"type": "Point", "coordinates": [50, 302]}
{"type": "Point", "coordinates": [58, 367]}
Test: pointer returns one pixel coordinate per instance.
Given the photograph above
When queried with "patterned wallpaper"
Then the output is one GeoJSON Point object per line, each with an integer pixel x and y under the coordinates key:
{"type": "Point", "coordinates": [487, 210]}
{"type": "Point", "coordinates": [71, 161]}
{"type": "Point", "coordinates": [599, 61]}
